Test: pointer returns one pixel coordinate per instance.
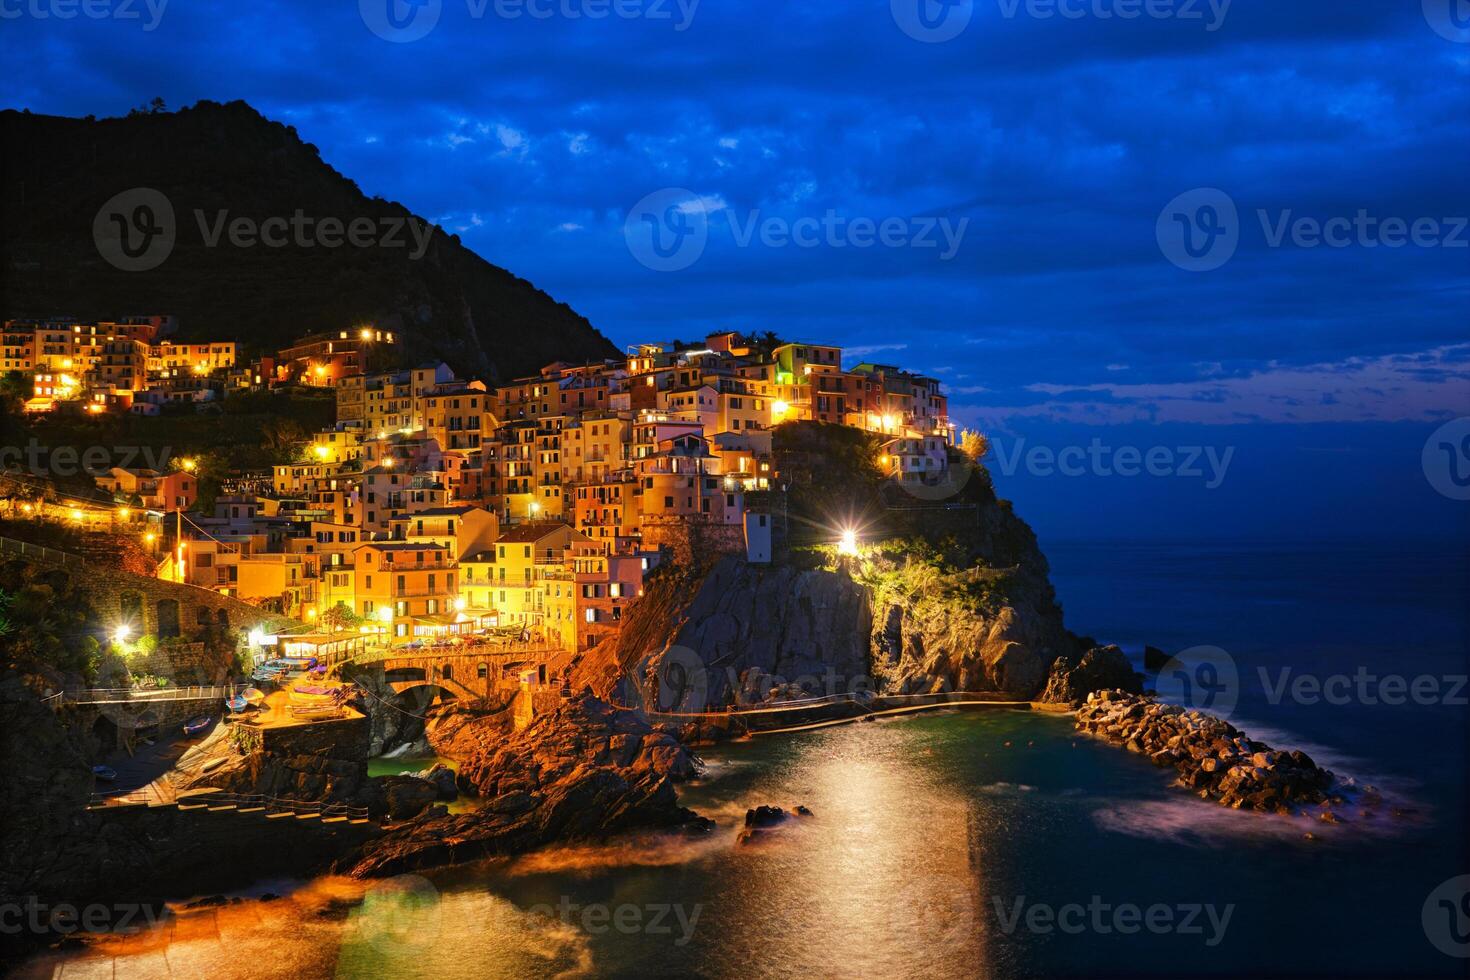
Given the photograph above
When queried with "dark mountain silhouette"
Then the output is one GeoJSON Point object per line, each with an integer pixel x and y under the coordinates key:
{"type": "Point", "coordinates": [449, 303]}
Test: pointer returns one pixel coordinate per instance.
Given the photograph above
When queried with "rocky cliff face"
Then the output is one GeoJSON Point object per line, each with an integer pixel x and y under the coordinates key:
{"type": "Point", "coordinates": [752, 632]}
{"type": "Point", "coordinates": [904, 618]}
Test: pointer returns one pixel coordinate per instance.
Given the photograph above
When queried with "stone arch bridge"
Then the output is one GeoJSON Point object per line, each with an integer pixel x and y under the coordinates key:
{"type": "Point", "coordinates": [476, 672]}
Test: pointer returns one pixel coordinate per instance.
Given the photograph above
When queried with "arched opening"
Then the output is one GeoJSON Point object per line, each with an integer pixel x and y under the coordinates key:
{"type": "Point", "coordinates": [448, 672]}
{"type": "Point", "coordinates": [222, 618]}
{"type": "Point", "coordinates": [202, 617]}
{"type": "Point", "coordinates": [168, 618]}
{"type": "Point", "coordinates": [482, 671]}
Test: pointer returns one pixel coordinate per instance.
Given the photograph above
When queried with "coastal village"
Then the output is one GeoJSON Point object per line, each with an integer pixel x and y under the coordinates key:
{"type": "Point", "coordinates": [440, 510]}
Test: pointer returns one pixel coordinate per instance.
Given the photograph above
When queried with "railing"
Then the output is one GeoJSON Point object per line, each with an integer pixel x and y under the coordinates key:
{"type": "Point", "coordinates": [136, 695]}
{"type": "Point", "coordinates": [245, 801]}
{"type": "Point", "coordinates": [27, 550]}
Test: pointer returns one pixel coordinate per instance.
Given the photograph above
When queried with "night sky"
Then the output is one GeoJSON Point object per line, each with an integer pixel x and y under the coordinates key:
{"type": "Point", "coordinates": [1066, 148]}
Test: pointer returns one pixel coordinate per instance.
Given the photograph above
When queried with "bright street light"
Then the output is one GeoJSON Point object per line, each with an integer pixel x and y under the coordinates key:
{"type": "Point", "coordinates": [121, 634]}
{"type": "Point", "coordinates": [848, 545]}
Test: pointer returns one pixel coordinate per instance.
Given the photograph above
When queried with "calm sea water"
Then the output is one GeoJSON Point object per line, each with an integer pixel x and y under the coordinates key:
{"type": "Point", "coordinates": [961, 844]}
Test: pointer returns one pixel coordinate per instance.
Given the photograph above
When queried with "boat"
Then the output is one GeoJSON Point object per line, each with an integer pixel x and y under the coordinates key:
{"type": "Point", "coordinates": [196, 725]}
{"type": "Point", "coordinates": [251, 697]}
{"type": "Point", "coordinates": [105, 773]}
{"type": "Point", "coordinates": [308, 694]}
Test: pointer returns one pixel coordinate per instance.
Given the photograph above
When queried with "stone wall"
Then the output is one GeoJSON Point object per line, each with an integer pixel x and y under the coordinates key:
{"type": "Point", "coordinates": [694, 543]}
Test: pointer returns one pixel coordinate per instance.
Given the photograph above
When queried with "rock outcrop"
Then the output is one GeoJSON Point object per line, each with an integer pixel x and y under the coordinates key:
{"type": "Point", "coordinates": [1212, 756]}
{"type": "Point", "coordinates": [1073, 678]}
{"type": "Point", "coordinates": [584, 771]}
{"type": "Point", "coordinates": [750, 629]}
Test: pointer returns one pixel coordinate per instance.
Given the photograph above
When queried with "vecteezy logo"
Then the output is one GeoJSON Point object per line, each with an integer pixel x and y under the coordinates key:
{"type": "Point", "coordinates": [682, 684]}
{"type": "Point", "coordinates": [400, 21]}
{"type": "Point", "coordinates": [1446, 459]}
{"type": "Point", "coordinates": [1446, 917]}
{"type": "Point", "coordinates": [932, 21]}
{"type": "Point", "coordinates": [667, 230]}
{"type": "Point", "coordinates": [1199, 230]}
{"type": "Point", "coordinates": [399, 914]}
{"type": "Point", "coordinates": [134, 230]}
{"type": "Point", "coordinates": [1450, 19]}
{"type": "Point", "coordinates": [1201, 677]}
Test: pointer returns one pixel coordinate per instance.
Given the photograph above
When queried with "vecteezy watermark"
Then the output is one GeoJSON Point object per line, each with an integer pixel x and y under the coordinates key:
{"type": "Point", "coordinates": [301, 230]}
{"type": "Point", "coordinates": [1446, 917]}
{"type": "Point", "coordinates": [626, 918]}
{"type": "Point", "coordinates": [136, 230]}
{"type": "Point", "coordinates": [38, 918]}
{"type": "Point", "coordinates": [1206, 463]}
{"type": "Point", "coordinates": [401, 21]}
{"type": "Point", "coordinates": [1446, 459]}
{"type": "Point", "coordinates": [38, 460]}
{"type": "Point", "coordinates": [149, 12]}
{"type": "Point", "coordinates": [1098, 917]}
{"type": "Point", "coordinates": [1203, 678]}
{"type": "Point", "coordinates": [398, 914]}
{"type": "Point", "coordinates": [668, 230]}
{"type": "Point", "coordinates": [1362, 687]}
{"type": "Point", "coordinates": [932, 21]}
{"type": "Point", "coordinates": [1450, 19]}
{"type": "Point", "coordinates": [1200, 230]}
{"type": "Point", "coordinates": [1210, 13]}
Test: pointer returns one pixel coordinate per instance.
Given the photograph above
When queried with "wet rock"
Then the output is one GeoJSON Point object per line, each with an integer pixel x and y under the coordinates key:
{"type": "Point", "coordinates": [764, 816]}
{"type": "Point", "coordinates": [802, 811]}
{"type": "Point", "coordinates": [408, 796]}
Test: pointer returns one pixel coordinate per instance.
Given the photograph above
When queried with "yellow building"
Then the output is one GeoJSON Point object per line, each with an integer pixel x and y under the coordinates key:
{"type": "Point", "coordinates": [404, 588]}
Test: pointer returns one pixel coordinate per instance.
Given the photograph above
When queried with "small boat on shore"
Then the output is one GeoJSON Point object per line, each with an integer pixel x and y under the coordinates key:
{"type": "Point", "coordinates": [105, 773]}
{"type": "Point", "coordinates": [195, 726]}
{"type": "Point", "coordinates": [316, 694]}
{"type": "Point", "coordinates": [251, 697]}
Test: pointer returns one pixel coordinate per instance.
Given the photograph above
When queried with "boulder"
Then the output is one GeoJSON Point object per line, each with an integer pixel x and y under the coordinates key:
{"type": "Point", "coordinates": [408, 796]}
{"type": "Point", "coordinates": [1073, 678]}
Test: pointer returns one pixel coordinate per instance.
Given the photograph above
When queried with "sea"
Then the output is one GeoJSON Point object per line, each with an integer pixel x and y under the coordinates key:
{"type": "Point", "coordinates": [986, 843]}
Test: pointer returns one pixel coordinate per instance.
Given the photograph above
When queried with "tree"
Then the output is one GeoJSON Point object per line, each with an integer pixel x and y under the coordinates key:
{"type": "Point", "coordinates": [974, 445]}
{"type": "Point", "coordinates": [340, 618]}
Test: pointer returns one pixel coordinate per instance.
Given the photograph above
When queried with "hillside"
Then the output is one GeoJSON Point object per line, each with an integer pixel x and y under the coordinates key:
{"type": "Point", "coordinates": [449, 303]}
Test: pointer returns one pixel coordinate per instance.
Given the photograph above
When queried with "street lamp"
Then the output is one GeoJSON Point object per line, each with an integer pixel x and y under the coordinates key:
{"type": "Point", "coordinates": [848, 544]}
{"type": "Point", "coordinates": [121, 634]}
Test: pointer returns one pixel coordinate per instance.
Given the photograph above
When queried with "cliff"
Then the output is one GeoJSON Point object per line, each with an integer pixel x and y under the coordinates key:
{"type": "Point", "coordinates": [948, 594]}
{"type": "Point", "coordinates": [446, 302]}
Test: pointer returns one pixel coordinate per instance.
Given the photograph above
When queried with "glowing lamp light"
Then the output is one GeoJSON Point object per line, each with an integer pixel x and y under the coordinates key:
{"type": "Point", "coordinates": [150, 537]}
{"type": "Point", "coordinates": [365, 334]}
{"type": "Point", "coordinates": [848, 543]}
{"type": "Point", "coordinates": [385, 614]}
{"type": "Point", "coordinates": [189, 465]}
{"type": "Point", "coordinates": [256, 637]}
{"type": "Point", "coordinates": [311, 613]}
{"type": "Point", "coordinates": [121, 634]}
{"type": "Point", "coordinates": [76, 515]}
{"type": "Point", "coordinates": [124, 513]}
{"type": "Point", "coordinates": [319, 371]}
{"type": "Point", "coordinates": [459, 604]}
{"type": "Point", "coordinates": [321, 451]}
{"type": "Point", "coordinates": [779, 408]}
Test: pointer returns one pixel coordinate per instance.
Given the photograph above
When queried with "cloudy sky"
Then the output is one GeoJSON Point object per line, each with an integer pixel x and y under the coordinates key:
{"type": "Point", "coordinates": [1154, 223]}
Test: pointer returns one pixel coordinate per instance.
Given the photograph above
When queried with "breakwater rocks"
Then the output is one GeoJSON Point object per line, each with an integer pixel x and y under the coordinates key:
{"type": "Point", "coordinates": [1212, 756]}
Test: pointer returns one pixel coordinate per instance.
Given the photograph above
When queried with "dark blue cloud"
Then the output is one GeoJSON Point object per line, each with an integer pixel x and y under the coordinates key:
{"type": "Point", "coordinates": [1056, 140]}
